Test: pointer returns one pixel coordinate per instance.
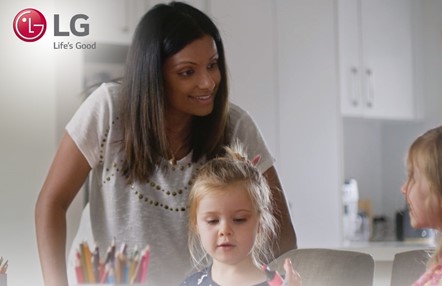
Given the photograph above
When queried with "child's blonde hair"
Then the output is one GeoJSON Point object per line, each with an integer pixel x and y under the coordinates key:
{"type": "Point", "coordinates": [215, 175]}
{"type": "Point", "coordinates": [426, 154]}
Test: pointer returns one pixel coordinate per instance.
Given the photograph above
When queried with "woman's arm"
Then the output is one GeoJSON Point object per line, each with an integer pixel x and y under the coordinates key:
{"type": "Point", "coordinates": [66, 175]}
{"type": "Point", "coordinates": [286, 235]}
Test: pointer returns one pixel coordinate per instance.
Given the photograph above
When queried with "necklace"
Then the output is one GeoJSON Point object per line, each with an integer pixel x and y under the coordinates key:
{"type": "Point", "coordinates": [176, 153]}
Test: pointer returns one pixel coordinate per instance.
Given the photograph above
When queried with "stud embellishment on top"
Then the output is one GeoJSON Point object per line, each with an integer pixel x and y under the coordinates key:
{"type": "Point", "coordinates": [153, 202]}
{"type": "Point", "coordinates": [152, 186]}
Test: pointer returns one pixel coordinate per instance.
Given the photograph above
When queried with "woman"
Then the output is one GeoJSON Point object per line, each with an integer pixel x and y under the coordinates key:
{"type": "Point", "coordinates": [141, 142]}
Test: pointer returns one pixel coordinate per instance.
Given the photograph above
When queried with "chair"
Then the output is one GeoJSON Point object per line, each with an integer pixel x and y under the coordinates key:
{"type": "Point", "coordinates": [331, 267]}
{"type": "Point", "coordinates": [408, 266]}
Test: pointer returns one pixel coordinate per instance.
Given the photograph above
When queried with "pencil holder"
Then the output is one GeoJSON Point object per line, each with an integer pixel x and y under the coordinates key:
{"type": "Point", "coordinates": [3, 280]}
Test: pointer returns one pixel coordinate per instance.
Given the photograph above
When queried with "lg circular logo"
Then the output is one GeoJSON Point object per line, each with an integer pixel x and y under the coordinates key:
{"type": "Point", "coordinates": [29, 25]}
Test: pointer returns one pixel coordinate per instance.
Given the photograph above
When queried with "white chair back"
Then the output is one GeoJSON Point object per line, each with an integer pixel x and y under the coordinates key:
{"type": "Point", "coordinates": [330, 267]}
{"type": "Point", "coordinates": [408, 266]}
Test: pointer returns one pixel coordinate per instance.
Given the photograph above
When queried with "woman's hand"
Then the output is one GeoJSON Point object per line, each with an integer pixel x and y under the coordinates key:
{"type": "Point", "coordinates": [292, 278]}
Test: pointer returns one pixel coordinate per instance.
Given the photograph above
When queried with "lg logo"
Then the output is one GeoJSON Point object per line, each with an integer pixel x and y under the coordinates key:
{"type": "Point", "coordinates": [84, 31]}
{"type": "Point", "coordinates": [30, 25]}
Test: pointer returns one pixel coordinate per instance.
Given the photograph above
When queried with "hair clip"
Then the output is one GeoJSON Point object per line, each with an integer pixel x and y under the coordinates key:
{"type": "Point", "coordinates": [255, 160]}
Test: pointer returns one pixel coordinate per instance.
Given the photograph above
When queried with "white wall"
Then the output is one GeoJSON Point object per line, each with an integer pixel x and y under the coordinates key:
{"type": "Point", "coordinates": [309, 122]}
{"type": "Point", "coordinates": [40, 90]}
{"type": "Point", "coordinates": [363, 158]}
{"type": "Point", "coordinates": [432, 58]}
{"type": "Point", "coordinates": [250, 49]}
{"type": "Point", "coordinates": [27, 128]}
{"type": "Point", "coordinates": [282, 64]}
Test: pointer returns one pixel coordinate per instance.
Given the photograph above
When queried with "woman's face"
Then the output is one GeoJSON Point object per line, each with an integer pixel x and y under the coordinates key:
{"type": "Point", "coordinates": [191, 78]}
{"type": "Point", "coordinates": [424, 204]}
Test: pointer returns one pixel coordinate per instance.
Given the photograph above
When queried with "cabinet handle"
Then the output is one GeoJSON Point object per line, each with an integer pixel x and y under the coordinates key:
{"type": "Point", "coordinates": [369, 88]}
{"type": "Point", "coordinates": [127, 14]}
{"type": "Point", "coordinates": [354, 86]}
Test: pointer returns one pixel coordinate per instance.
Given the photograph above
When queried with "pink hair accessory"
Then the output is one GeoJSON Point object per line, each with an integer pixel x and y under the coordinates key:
{"type": "Point", "coordinates": [255, 160]}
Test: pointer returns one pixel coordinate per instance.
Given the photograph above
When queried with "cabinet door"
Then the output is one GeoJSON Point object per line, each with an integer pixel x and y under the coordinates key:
{"type": "Point", "coordinates": [375, 56]}
{"type": "Point", "coordinates": [388, 61]}
{"type": "Point", "coordinates": [350, 57]}
{"type": "Point", "coordinates": [114, 21]}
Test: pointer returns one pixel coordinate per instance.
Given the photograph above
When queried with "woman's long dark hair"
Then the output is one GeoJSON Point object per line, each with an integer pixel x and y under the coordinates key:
{"type": "Point", "coordinates": [162, 32]}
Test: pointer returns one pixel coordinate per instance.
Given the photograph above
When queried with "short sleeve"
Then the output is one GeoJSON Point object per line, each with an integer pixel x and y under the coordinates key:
{"type": "Point", "coordinates": [90, 123]}
{"type": "Point", "coordinates": [246, 131]}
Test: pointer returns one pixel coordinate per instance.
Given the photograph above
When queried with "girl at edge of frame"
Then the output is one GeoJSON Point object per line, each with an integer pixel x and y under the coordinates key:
{"type": "Point", "coordinates": [423, 193]}
{"type": "Point", "coordinates": [141, 141]}
{"type": "Point", "coordinates": [231, 224]}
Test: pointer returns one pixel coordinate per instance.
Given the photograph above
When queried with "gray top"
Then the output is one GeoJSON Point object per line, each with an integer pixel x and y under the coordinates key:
{"type": "Point", "coordinates": [153, 213]}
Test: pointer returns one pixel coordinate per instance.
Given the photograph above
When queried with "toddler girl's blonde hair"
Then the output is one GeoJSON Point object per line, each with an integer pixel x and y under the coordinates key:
{"type": "Point", "coordinates": [215, 176]}
{"type": "Point", "coordinates": [426, 154]}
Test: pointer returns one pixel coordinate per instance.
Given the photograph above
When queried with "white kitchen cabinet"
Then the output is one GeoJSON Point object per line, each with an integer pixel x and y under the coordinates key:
{"type": "Point", "coordinates": [114, 21]}
{"type": "Point", "coordinates": [376, 58]}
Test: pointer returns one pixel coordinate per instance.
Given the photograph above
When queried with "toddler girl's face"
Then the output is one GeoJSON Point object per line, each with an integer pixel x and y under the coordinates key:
{"type": "Point", "coordinates": [423, 203]}
{"type": "Point", "coordinates": [227, 223]}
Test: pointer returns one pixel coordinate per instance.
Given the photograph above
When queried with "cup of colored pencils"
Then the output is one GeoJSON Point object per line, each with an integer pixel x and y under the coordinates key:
{"type": "Point", "coordinates": [120, 266]}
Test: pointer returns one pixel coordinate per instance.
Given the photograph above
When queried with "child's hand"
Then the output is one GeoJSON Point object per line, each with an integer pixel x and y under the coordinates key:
{"type": "Point", "coordinates": [292, 278]}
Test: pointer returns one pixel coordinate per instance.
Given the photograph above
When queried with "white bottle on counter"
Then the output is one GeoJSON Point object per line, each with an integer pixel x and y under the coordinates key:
{"type": "Point", "coordinates": [350, 197]}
